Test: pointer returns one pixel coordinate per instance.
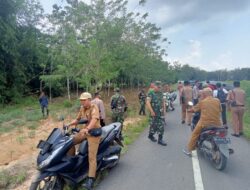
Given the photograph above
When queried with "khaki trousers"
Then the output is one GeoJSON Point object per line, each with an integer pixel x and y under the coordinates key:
{"type": "Point", "coordinates": [93, 144]}
{"type": "Point", "coordinates": [195, 136]}
{"type": "Point", "coordinates": [186, 116]}
{"type": "Point", "coordinates": [237, 119]}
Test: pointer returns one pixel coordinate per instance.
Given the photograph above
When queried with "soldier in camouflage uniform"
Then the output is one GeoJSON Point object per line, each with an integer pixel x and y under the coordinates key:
{"type": "Point", "coordinates": [142, 98]}
{"type": "Point", "coordinates": [156, 107]}
{"type": "Point", "coordinates": [118, 106]}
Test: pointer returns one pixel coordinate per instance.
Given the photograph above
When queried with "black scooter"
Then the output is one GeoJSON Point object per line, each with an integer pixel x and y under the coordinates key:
{"type": "Point", "coordinates": [56, 168]}
{"type": "Point", "coordinates": [213, 143]}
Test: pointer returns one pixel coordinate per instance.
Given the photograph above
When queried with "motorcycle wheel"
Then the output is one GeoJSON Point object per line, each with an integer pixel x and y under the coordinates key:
{"type": "Point", "coordinates": [220, 161]}
{"type": "Point", "coordinates": [47, 183]}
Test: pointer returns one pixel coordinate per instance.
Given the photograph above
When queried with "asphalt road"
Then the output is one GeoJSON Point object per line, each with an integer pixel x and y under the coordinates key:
{"type": "Point", "coordinates": [149, 166]}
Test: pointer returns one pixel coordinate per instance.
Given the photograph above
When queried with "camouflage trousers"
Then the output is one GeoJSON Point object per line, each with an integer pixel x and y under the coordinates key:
{"type": "Point", "coordinates": [156, 125]}
{"type": "Point", "coordinates": [142, 109]}
{"type": "Point", "coordinates": [118, 117]}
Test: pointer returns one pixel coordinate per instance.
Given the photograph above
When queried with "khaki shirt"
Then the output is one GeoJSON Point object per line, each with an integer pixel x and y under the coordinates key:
{"type": "Point", "coordinates": [89, 113]}
{"type": "Point", "coordinates": [187, 92]}
{"type": "Point", "coordinates": [100, 106]}
{"type": "Point", "coordinates": [238, 95]}
{"type": "Point", "coordinates": [210, 111]}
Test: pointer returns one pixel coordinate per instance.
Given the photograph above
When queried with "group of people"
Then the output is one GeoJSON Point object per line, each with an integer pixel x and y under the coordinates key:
{"type": "Point", "coordinates": [212, 102]}
{"type": "Point", "coordinates": [93, 110]}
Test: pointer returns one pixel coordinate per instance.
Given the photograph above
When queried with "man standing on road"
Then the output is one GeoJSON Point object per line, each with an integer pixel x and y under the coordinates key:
{"type": "Point", "coordinates": [155, 105]}
{"type": "Point", "coordinates": [142, 99]}
{"type": "Point", "coordinates": [210, 115]}
{"type": "Point", "coordinates": [237, 98]}
{"type": "Point", "coordinates": [196, 92]}
{"type": "Point", "coordinates": [180, 87]}
{"type": "Point", "coordinates": [186, 96]}
{"type": "Point", "coordinates": [222, 96]}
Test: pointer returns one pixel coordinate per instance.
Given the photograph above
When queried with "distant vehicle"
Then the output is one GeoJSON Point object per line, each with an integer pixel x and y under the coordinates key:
{"type": "Point", "coordinates": [228, 86]}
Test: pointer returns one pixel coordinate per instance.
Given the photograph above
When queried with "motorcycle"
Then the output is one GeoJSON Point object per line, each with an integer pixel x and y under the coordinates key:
{"type": "Point", "coordinates": [213, 143]}
{"type": "Point", "coordinates": [169, 99]}
{"type": "Point", "coordinates": [56, 168]}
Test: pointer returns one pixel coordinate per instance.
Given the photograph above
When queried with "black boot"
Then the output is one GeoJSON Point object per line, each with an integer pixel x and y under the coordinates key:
{"type": "Point", "coordinates": [89, 183]}
{"type": "Point", "coordinates": [161, 142]}
{"type": "Point", "coordinates": [152, 138]}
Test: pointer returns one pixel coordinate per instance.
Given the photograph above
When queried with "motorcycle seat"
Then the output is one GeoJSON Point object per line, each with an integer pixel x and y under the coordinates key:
{"type": "Point", "coordinates": [106, 130]}
{"type": "Point", "coordinates": [212, 128]}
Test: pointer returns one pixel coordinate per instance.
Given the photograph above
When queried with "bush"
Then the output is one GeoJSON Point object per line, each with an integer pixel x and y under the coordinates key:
{"type": "Point", "coordinates": [67, 104]}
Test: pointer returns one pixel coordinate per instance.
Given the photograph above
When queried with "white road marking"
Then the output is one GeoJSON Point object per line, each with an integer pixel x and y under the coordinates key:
{"type": "Point", "coordinates": [197, 172]}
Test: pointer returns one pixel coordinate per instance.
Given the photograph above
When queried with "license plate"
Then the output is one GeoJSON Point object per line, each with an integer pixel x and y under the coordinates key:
{"type": "Point", "coordinates": [222, 140]}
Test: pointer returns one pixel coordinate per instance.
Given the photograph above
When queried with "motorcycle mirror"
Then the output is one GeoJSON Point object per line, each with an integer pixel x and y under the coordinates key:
{"type": "Point", "coordinates": [190, 103]}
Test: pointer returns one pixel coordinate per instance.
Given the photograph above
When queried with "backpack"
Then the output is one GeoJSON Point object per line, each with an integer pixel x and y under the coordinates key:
{"type": "Point", "coordinates": [222, 96]}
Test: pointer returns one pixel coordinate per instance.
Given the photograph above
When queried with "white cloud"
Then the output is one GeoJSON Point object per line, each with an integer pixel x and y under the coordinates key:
{"type": "Point", "coordinates": [194, 53]}
{"type": "Point", "coordinates": [223, 61]}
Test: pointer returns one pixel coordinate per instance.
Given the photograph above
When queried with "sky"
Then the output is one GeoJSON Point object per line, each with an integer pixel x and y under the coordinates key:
{"type": "Point", "coordinates": [209, 34]}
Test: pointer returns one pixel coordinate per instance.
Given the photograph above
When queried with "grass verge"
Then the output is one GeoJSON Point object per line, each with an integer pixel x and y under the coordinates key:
{"type": "Point", "coordinates": [13, 177]}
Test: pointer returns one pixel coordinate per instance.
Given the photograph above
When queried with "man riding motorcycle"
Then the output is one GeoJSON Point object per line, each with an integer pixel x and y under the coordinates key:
{"type": "Point", "coordinates": [210, 109]}
{"type": "Point", "coordinates": [90, 112]}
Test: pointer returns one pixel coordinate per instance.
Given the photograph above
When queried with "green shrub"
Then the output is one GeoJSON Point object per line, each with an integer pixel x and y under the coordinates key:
{"type": "Point", "coordinates": [33, 115]}
{"type": "Point", "coordinates": [12, 177]}
{"type": "Point", "coordinates": [67, 103]}
{"type": "Point", "coordinates": [32, 125]}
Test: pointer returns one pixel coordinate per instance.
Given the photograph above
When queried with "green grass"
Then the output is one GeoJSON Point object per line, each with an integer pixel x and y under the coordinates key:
{"type": "Point", "coordinates": [246, 86]}
{"type": "Point", "coordinates": [12, 177]}
{"type": "Point", "coordinates": [132, 132]}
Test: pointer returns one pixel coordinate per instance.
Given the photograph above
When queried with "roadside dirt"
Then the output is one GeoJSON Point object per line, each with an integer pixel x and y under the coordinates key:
{"type": "Point", "coordinates": [18, 148]}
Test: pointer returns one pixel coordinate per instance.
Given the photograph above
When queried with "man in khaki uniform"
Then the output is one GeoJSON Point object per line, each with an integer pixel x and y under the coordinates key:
{"type": "Point", "coordinates": [179, 88]}
{"type": "Point", "coordinates": [186, 96]}
{"type": "Point", "coordinates": [239, 96]}
{"type": "Point", "coordinates": [90, 112]}
{"type": "Point", "coordinates": [210, 109]}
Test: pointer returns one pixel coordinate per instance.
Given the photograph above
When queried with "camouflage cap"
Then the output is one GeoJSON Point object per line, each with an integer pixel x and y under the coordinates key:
{"type": "Point", "coordinates": [85, 96]}
{"type": "Point", "coordinates": [117, 89]}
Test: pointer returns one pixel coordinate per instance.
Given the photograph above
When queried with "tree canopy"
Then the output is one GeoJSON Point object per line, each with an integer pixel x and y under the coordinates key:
{"type": "Point", "coordinates": [83, 46]}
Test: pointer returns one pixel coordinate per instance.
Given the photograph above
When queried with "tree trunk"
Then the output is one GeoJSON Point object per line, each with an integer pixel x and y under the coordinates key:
{"type": "Point", "coordinates": [77, 89]}
{"type": "Point", "coordinates": [50, 93]}
{"type": "Point", "coordinates": [109, 88]}
{"type": "Point", "coordinates": [68, 88]}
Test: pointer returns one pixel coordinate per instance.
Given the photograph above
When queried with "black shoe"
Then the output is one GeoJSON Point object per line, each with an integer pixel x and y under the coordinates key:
{"type": "Point", "coordinates": [231, 151]}
{"type": "Point", "coordinates": [182, 122]}
{"type": "Point", "coordinates": [189, 124]}
{"type": "Point", "coordinates": [186, 152]}
{"type": "Point", "coordinates": [161, 142]}
{"type": "Point", "coordinates": [241, 133]}
{"type": "Point", "coordinates": [152, 138]}
{"type": "Point", "coordinates": [89, 183]}
{"type": "Point", "coordinates": [235, 135]}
